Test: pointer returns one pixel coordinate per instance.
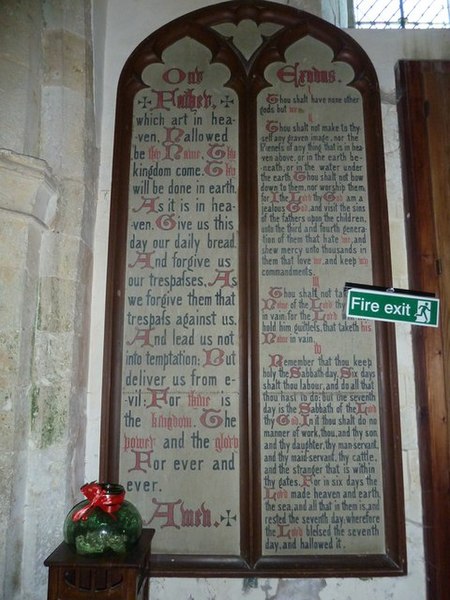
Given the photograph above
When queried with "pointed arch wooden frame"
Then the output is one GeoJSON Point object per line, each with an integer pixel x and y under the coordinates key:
{"type": "Point", "coordinates": [246, 80]}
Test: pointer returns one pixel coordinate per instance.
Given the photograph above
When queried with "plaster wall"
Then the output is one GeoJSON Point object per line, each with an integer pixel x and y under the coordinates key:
{"type": "Point", "coordinates": [127, 24]}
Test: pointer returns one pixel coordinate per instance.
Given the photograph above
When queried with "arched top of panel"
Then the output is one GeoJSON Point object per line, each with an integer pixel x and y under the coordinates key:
{"type": "Point", "coordinates": [242, 32]}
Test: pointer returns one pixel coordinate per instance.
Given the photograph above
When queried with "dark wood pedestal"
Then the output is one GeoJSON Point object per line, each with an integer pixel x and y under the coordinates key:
{"type": "Point", "coordinates": [111, 577]}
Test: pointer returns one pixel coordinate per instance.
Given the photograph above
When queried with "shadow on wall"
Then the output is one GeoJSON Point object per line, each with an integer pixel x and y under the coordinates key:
{"type": "Point", "coordinates": [287, 589]}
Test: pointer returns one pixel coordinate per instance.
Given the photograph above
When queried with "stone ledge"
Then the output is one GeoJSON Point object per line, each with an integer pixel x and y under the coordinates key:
{"type": "Point", "coordinates": [28, 187]}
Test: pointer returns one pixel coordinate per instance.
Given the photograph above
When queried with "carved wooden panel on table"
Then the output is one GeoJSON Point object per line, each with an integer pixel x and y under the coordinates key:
{"type": "Point", "coordinates": [252, 424]}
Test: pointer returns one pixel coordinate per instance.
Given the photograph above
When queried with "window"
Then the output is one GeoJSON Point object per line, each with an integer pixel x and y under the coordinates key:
{"type": "Point", "coordinates": [401, 14]}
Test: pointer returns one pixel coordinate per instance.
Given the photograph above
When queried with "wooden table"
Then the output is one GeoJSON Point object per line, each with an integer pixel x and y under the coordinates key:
{"type": "Point", "coordinates": [111, 576]}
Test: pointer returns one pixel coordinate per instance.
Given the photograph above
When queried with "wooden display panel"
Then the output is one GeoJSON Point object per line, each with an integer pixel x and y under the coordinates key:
{"type": "Point", "coordinates": [252, 424]}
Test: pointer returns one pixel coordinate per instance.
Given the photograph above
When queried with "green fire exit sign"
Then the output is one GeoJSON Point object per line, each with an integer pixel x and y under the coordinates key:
{"type": "Point", "coordinates": [392, 306]}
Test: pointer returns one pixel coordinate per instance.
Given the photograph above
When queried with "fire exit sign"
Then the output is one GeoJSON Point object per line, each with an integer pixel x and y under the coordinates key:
{"type": "Point", "coordinates": [392, 306]}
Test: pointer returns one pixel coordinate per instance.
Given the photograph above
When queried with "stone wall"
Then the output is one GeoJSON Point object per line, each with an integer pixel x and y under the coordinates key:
{"type": "Point", "coordinates": [48, 170]}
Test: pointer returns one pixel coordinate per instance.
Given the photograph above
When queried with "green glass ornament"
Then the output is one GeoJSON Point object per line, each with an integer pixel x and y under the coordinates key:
{"type": "Point", "coordinates": [104, 522]}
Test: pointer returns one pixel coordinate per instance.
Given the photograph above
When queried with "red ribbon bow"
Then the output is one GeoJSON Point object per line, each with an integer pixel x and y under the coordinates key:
{"type": "Point", "coordinates": [98, 497]}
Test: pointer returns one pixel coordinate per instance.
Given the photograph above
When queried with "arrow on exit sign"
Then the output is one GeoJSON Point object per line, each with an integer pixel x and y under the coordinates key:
{"type": "Point", "coordinates": [392, 306]}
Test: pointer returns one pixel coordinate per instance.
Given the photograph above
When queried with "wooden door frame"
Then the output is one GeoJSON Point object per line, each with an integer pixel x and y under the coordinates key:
{"type": "Point", "coordinates": [423, 107]}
